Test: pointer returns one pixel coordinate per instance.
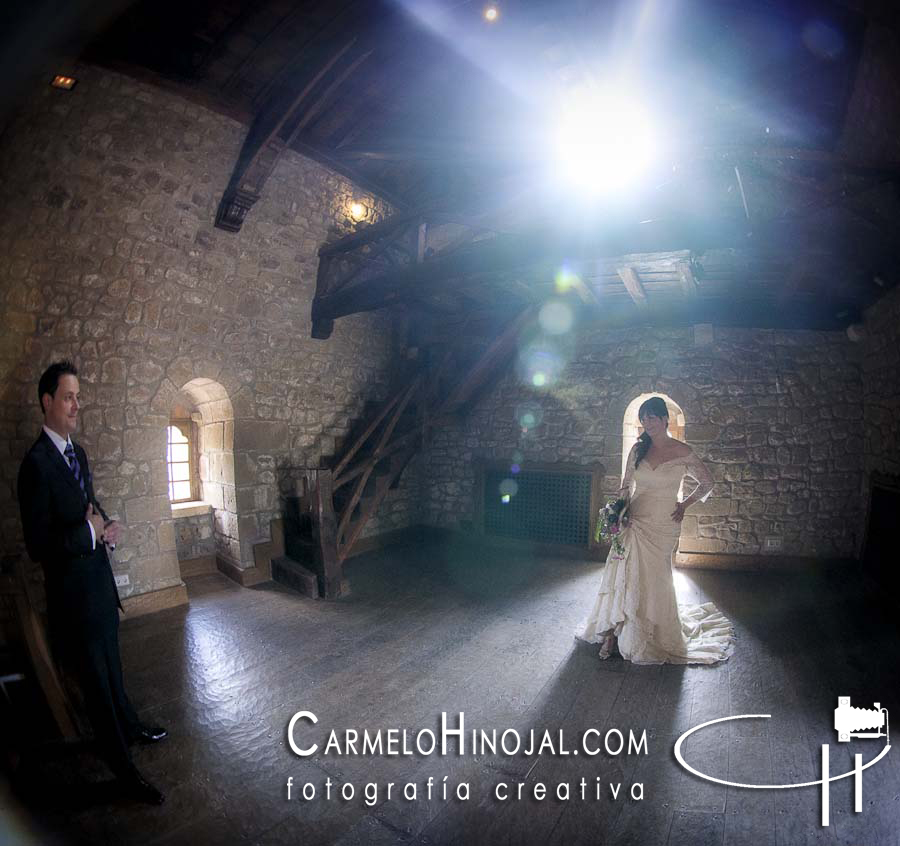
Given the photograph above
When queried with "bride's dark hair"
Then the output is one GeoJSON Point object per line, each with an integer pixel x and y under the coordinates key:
{"type": "Point", "coordinates": [657, 407]}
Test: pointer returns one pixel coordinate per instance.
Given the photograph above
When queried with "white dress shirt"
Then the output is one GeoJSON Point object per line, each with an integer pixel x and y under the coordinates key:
{"type": "Point", "coordinates": [61, 444]}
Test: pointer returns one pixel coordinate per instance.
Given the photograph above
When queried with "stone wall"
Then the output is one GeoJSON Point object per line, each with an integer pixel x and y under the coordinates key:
{"type": "Point", "coordinates": [109, 256]}
{"type": "Point", "coordinates": [777, 415]}
{"type": "Point", "coordinates": [194, 536]}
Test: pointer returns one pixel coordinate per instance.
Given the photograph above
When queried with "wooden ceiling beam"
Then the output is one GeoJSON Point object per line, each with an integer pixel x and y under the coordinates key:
{"type": "Point", "coordinates": [687, 279]}
{"type": "Point", "coordinates": [632, 283]}
{"type": "Point", "coordinates": [325, 23]}
{"type": "Point", "coordinates": [537, 255]}
{"type": "Point", "coordinates": [316, 107]}
{"type": "Point", "coordinates": [261, 149]}
{"type": "Point", "coordinates": [428, 150]}
{"type": "Point", "coordinates": [327, 158]}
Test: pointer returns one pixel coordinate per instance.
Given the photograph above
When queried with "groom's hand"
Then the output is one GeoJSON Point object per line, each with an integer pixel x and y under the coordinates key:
{"type": "Point", "coordinates": [678, 513]}
{"type": "Point", "coordinates": [112, 532]}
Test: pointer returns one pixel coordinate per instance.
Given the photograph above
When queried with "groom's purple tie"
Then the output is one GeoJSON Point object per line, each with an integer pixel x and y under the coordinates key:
{"type": "Point", "coordinates": [74, 466]}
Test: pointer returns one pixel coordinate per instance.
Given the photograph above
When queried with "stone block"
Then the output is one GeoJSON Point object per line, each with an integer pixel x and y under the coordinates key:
{"type": "Point", "coordinates": [164, 398]}
{"type": "Point", "coordinates": [213, 494]}
{"type": "Point", "coordinates": [212, 437]}
{"type": "Point", "coordinates": [110, 447]}
{"type": "Point", "coordinates": [144, 444]}
{"type": "Point", "coordinates": [711, 508]}
{"type": "Point", "coordinates": [154, 571]}
{"type": "Point", "coordinates": [159, 477]}
{"type": "Point", "coordinates": [165, 536]}
{"type": "Point", "coordinates": [261, 436]}
{"type": "Point", "coordinates": [225, 523]}
{"type": "Point", "coordinates": [701, 545]}
{"type": "Point", "coordinates": [248, 527]}
{"type": "Point", "coordinates": [147, 509]}
{"type": "Point", "coordinates": [146, 372]}
{"type": "Point", "coordinates": [217, 411]}
{"type": "Point", "coordinates": [221, 468]}
{"type": "Point", "coordinates": [113, 371]}
{"type": "Point", "coordinates": [703, 433]}
{"type": "Point", "coordinates": [245, 469]}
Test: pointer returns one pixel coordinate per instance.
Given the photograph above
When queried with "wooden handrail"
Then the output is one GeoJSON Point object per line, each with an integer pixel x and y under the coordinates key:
{"type": "Point", "coordinates": [377, 455]}
{"type": "Point", "coordinates": [357, 444]}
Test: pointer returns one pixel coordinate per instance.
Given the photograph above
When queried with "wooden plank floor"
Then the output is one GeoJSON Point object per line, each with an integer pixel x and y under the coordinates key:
{"type": "Point", "coordinates": [458, 628]}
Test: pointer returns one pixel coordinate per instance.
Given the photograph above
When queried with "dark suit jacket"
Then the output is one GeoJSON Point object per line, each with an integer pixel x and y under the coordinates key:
{"type": "Point", "coordinates": [79, 580]}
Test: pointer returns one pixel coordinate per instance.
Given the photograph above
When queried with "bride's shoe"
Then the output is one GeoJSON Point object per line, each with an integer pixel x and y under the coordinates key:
{"type": "Point", "coordinates": [608, 647]}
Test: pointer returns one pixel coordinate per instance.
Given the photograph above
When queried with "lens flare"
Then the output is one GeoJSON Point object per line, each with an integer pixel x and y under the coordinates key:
{"type": "Point", "coordinates": [509, 488]}
{"type": "Point", "coordinates": [528, 416]}
{"type": "Point", "coordinates": [564, 280]}
{"type": "Point", "coordinates": [540, 365]}
{"type": "Point", "coordinates": [556, 317]}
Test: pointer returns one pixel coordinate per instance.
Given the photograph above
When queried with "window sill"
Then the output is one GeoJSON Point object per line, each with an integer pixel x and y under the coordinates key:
{"type": "Point", "coordinates": [190, 509]}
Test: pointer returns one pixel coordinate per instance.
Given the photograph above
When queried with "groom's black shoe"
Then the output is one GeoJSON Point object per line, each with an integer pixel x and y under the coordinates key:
{"type": "Point", "coordinates": [149, 734]}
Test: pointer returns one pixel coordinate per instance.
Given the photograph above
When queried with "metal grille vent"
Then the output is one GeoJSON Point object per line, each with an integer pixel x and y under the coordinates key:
{"type": "Point", "coordinates": [548, 507]}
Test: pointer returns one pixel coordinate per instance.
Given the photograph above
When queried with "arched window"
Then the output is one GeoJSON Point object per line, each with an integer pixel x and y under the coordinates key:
{"type": "Point", "coordinates": [181, 462]}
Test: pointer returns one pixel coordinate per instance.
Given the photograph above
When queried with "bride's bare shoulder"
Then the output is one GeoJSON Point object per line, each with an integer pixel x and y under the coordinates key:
{"type": "Point", "coordinates": [683, 448]}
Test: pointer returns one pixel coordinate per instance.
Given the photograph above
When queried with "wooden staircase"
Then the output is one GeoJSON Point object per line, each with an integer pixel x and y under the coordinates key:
{"type": "Point", "coordinates": [337, 501]}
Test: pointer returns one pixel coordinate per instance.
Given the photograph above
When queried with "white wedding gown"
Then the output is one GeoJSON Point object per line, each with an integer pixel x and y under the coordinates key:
{"type": "Point", "coordinates": [637, 595]}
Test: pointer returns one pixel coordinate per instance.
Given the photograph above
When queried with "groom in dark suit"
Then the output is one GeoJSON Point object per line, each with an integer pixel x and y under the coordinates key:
{"type": "Point", "coordinates": [68, 532]}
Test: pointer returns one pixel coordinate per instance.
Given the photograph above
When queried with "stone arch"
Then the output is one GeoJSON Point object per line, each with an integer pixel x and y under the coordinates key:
{"type": "Point", "coordinates": [211, 403]}
{"type": "Point", "coordinates": [631, 427]}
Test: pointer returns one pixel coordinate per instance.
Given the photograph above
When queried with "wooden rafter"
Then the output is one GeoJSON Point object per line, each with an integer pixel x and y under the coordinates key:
{"type": "Point", "coordinates": [686, 278]}
{"type": "Point", "coordinates": [262, 149]}
{"type": "Point", "coordinates": [632, 283]}
{"type": "Point", "coordinates": [483, 269]}
{"type": "Point", "coordinates": [316, 107]}
{"type": "Point", "coordinates": [508, 256]}
{"type": "Point", "coordinates": [585, 292]}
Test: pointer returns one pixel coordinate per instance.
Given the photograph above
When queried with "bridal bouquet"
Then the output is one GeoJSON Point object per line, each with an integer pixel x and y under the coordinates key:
{"type": "Point", "coordinates": [610, 524]}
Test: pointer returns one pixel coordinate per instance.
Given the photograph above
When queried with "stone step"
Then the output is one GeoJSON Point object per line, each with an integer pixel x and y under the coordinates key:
{"type": "Point", "coordinates": [291, 574]}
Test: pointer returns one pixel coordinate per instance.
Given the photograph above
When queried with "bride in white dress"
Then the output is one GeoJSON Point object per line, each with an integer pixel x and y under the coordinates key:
{"type": "Point", "coordinates": [636, 610]}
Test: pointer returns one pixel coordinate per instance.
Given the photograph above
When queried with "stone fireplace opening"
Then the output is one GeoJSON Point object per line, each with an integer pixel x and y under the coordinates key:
{"type": "Point", "coordinates": [879, 557]}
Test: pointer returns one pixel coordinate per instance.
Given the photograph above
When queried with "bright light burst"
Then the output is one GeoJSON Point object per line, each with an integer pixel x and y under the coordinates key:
{"type": "Point", "coordinates": [604, 140]}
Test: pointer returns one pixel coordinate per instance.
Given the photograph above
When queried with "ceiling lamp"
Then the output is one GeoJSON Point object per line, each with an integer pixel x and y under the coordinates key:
{"type": "Point", "coordinates": [358, 211]}
{"type": "Point", "coordinates": [491, 12]}
{"type": "Point", "coordinates": [67, 83]}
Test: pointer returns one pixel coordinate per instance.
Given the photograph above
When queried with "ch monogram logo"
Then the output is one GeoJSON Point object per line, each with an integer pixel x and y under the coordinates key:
{"type": "Point", "coordinates": [850, 723]}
